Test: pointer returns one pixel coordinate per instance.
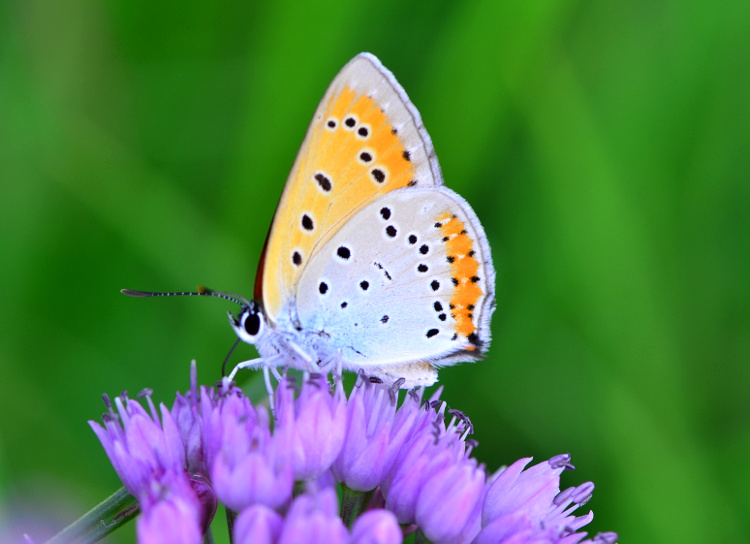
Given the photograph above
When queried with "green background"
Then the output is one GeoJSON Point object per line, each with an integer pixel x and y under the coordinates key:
{"type": "Point", "coordinates": [603, 144]}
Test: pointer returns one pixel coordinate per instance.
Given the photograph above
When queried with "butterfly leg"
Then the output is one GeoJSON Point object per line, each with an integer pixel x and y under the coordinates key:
{"type": "Point", "coordinates": [335, 365]}
{"type": "Point", "coordinates": [268, 364]}
{"type": "Point", "coordinates": [269, 390]}
{"type": "Point", "coordinates": [263, 362]}
{"type": "Point", "coordinates": [267, 371]}
{"type": "Point", "coordinates": [302, 354]}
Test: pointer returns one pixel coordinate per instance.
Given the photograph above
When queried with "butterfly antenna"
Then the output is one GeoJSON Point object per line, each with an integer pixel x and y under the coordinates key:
{"type": "Point", "coordinates": [226, 359]}
{"type": "Point", "coordinates": [202, 291]}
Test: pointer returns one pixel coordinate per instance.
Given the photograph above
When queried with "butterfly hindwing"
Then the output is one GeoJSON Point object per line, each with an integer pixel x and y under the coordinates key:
{"type": "Point", "coordinates": [366, 139]}
{"type": "Point", "coordinates": [408, 280]}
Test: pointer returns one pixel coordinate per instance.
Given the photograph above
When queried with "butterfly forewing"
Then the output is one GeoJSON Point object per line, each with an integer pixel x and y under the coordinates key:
{"type": "Point", "coordinates": [366, 139]}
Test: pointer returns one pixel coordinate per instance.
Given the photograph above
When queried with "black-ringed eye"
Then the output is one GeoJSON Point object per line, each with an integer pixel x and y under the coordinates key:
{"type": "Point", "coordinates": [252, 323]}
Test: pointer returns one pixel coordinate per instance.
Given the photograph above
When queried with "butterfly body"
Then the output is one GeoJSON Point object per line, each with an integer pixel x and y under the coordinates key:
{"type": "Point", "coordinates": [371, 263]}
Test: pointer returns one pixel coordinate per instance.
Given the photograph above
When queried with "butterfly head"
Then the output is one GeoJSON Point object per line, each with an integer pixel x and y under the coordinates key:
{"type": "Point", "coordinates": [250, 324]}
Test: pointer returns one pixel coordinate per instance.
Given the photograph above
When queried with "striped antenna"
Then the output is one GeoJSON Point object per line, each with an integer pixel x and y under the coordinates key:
{"type": "Point", "coordinates": [202, 291]}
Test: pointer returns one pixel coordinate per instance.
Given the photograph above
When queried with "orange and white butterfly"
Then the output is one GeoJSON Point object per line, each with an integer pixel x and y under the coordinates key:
{"type": "Point", "coordinates": [370, 263]}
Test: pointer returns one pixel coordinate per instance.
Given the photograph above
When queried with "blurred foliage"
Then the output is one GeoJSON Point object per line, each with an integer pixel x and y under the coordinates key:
{"type": "Point", "coordinates": [604, 145]}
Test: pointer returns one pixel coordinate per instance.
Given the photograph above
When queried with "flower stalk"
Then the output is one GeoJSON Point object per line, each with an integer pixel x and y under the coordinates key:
{"type": "Point", "coordinates": [106, 517]}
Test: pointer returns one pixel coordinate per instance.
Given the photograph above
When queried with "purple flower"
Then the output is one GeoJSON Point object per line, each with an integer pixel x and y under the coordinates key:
{"type": "Point", "coordinates": [400, 464]}
{"type": "Point", "coordinates": [258, 524]}
{"type": "Point", "coordinates": [171, 514]}
{"type": "Point", "coordinates": [376, 527]}
{"type": "Point", "coordinates": [314, 424]}
{"type": "Point", "coordinates": [448, 499]}
{"type": "Point", "coordinates": [433, 483]}
{"type": "Point", "coordinates": [204, 490]}
{"type": "Point", "coordinates": [142, 449]}
{"type": "Point", "coordinates": [375, 434]}
{"type": "Point", "coordinates": [532, 489]}
{"type": "Point", "coordinates": [149, 457]}
{"type": "Point", "coordinates": [186, 413]}
{"type": "Point", "coordinates": [527, 506]}
{"type": "Point", "coordinates": [247, 463]}
{"type": "Point", "coordinates": [313, 519]}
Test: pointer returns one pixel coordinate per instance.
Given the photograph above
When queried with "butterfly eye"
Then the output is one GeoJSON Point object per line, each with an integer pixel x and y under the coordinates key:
{"type": "Point", "coordinates": [249, 324]}
{"type": "Point", "coordinates": [252, 324]}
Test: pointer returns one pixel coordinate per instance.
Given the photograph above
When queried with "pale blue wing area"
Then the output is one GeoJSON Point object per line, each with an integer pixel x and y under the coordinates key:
{"type": "Point", "coordinates": [381, 289]}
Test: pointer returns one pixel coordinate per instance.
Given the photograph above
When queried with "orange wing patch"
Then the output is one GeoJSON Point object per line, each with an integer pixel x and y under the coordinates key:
{"type": "Point", "coordinates": [368, 157]}
{"type": "Point", "coordinates": [352, 154]}
{"type": "Point", "coordinates": [355, 158]}
{"type": "Point", "coordinates": [464, 273]}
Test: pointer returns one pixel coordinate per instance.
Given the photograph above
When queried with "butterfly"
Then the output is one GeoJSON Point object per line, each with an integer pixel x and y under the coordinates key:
{"type": "Point", "coordinates": [370, 263]}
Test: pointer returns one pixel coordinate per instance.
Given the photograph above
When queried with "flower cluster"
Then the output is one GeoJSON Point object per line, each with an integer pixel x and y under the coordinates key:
{"type": "Point", "coordinates": [399, 469]}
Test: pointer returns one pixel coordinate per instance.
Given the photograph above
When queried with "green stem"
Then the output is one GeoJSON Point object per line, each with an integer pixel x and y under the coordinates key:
{"type": "Point", "coordinates": [419, 538]}
{"type": "Point", "coordinates": [351, 504]}
{"type": "Point", "coordinates": [231, 515]}
{"type": "Point", "coordinates": [110, 514]}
